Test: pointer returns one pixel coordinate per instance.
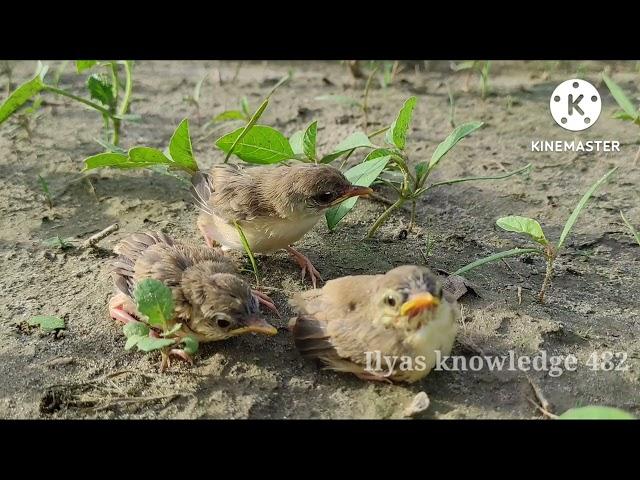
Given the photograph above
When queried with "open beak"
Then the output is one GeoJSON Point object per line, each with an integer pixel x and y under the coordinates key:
{"type": "Point", "coordinates": [352, 191]}
{"type": "Point", "coordinates": [255, 324]}
{"type": "Point", "coordinates": [418, 303]}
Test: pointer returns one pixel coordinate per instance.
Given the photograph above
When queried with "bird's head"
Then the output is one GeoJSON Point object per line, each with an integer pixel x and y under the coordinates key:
{"type": "Point", "coordinates": [409, 297]}
{"type": "Point", "coordinates": [315, 188]}
{"type": "Point", "coordinates": [222, 306]}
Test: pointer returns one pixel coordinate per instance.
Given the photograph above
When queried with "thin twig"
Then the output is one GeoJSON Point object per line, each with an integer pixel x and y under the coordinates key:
{"type": "Point", "coordinates": [94, 239]}
{"type": "Point", "coordinates": [544, 405]}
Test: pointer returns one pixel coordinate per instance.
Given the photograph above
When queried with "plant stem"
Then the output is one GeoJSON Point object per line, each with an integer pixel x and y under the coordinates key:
{"type": "Point", "coordinates": [378, 132]}
{"type": "Point", "coordinates": [413, 214]}
{"type": "Point", "coordinates": [89, 103]}
{"type": "Point", "coordinates": [547, 277]}
{"type": "Point", "coordinates": [115, 137]}
{"type": "Point", "coordinates": [365, 100]}
{"type": "Point", "coordinates": [126, 100]}
{"type": "Point", "coordinates": [383, 218]}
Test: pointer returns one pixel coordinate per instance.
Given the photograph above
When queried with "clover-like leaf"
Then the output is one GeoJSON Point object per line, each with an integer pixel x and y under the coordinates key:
{"type": "Point", "coordinates": [397, 133]}
{"type": "Point", "coordinates": [154, 300]}
{"type": "Point", "coordinates": [48, 323]}
{"type": "Point", "coordinates": [529, 226]}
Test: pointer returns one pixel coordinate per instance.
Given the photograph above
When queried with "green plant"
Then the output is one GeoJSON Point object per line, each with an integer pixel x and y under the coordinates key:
{"type": "Point", "coordinates": [633, 231]}
{"type": "Point", "coordinates": [45, 190]}
{"type": "Point", "coordinates": [628, 113]}
{"type": "Point", "coordinates": [242, 114]}
{"type": "Point", "coordinates": [59, 242]}
{"type": "Point", "coordinates": [482, 68]}
{"type": "Point", "coordinates": [248, 251]}
{"type": "Point", "coordinates": [593, 412]}
{"type": "Point", "coordinates": [452, 107]}
{"type": "Point", "coordinates": [194, 98]}
{"type": "Point", "coordinates": [533, 230]}
{"type": "Point", "coordinates": [155, 302]}
{"type": "Point", "coordinates": [48, 323]}
{"type": "Point", "coordinates": [103, 88]}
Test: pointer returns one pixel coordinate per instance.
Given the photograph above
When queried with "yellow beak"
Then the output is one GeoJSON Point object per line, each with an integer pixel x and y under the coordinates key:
{"type": "Point", "coordinates": [418, 303]}
{"type": "Point", "coordinates": [255, 324]}
{"type": "Point", "coordinates": [353, 191]}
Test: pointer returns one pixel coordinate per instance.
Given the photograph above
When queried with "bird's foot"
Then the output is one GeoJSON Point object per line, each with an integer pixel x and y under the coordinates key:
{"type": "Point", "coordinates": [264, 299]}
{"type": "Point", "coordinates": [211, 243]}
{"type": "Point", "coordinates": [122, 309]}
{"type": "Point", "coordinates": [373, 377]}
{"type": "Point", "coordinates": [305, 264]}
{"type": "Point", "coordinates": [174, 352]}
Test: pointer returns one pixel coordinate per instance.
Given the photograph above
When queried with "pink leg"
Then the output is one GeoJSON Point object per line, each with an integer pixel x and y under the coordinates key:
{"type": "Point", "coordinates": [373, 377]}
{"type": "Point", "coordinates": [264, 299]}
{"type": "Point", "coordinates": [202, 226]}
{"type": "Point", "coordinates": [122, 309]}
{"type": "Point", "coordinates": [305, 264]}
{"type": "Point", "coordinates": [175, 352]}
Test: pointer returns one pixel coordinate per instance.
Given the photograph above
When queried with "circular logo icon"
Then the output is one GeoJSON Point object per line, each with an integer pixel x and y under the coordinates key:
{"type": "Point", "coordinates": [575, 105]}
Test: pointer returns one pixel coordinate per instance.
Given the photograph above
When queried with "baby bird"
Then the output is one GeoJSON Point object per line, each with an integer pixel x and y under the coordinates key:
{"type": "Point", "coordinates": [211, 301]}
{"type": "Point", "coordinates": [402, 314]}
{"type": "Point", "coordinates": [274, 206]}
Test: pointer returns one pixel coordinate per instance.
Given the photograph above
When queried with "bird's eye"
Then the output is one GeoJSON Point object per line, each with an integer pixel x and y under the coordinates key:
{"type": "Point", "coordinates": [391, 300]}
{"type": "Point", "coordinates": [324, 197]}
{"type": "Point", "coordinates": [222, 320]}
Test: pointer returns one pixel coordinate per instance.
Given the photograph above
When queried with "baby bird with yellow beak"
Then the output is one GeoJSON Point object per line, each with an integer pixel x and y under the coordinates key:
{"type": "Point", "coordinates": [402, 317]}
{"type": "Point", "coordinates": [211, 301]}
{"type": "Point", "coordinates": [274, 206]}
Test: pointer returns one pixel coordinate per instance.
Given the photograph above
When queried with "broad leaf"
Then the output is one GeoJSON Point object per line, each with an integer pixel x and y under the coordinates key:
{"type": "Point", "coordinates": [309, 141]}
{"type": "Point", "coordinates": [397, 133]}
{"type": "Point", "coordinates": [596, 413]}
{"type": "Point", "coordinates": [138, 157]}
{"type": "Point", "coordinates": [149, 344]}
{"type": "Point", "coordinates": [180, 147]}
{"type": "Point", "coordinates": [454, 137]}
{"type": "Point", "coordinates": [147, 155]}
{"type": "Point", "coordinates": [377, 153]}
{"type": "Point", "coordinates": [261, 144]}
{"type": "Point", "coordinates": [132, 329]}
{"type": "Point", "coordinates": [619, 96]}
{"type": "Point", "coordinates": [247, 128]}
{"type": "Point", "coordinates": [295, 140]}
{"type": "Point", "coordinates": [82, 65]}
{"type": "Point", "coordinates": [525, 225]}
{"type": "Point", "coordinates": [353, 141]}
{"type": "Point", "coordinates": [363, 174]}
{"type": "Point", "coordinates": [100, 89]}
{"type": "Point", "coordinates": [154, 300]}
{"type": "Point", "coordinates": [190, 345]}
{"type": "Point", "coordinates": [132, 341]}
{"type": "Point", "coordinates": [47, 322]}
{"type": "Point", "coordinates": [20, 96]}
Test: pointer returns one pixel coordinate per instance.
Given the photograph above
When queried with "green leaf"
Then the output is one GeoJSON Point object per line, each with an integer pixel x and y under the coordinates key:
{"type": "Point", "coordinates": [147, 155]}
{"type": "Point", "coordinates": [497, 256]}
{"type": "Point", "coordinates": [529, 226]}
{"type": "Point", "coordinates": [110, 159]}
{"type": "Point", "coordinates": [421, 169]}
{"type": "Point", "coordinates": [397, 133]}
{"type": "Point", "coordinates": [619, 115]}
{"type": "Point", "coordinates": [248, 251]}
{"type": "Point", "coordinates": [190, 345]}
{"type": "Point", "coordinates": [172, 330]}
{"type": "Point", "coordinates": [229, 115]}
{"type": "Point", "coordinates": [82, 65]}
{"type": "Point", "coordinates": [581, 204]}
{"type": "Point", "coordinates": [309, 141]}
{"type": "Point", "coordinates": [619, 96]}
{"type": "Point", "coordinates": [353, 141]}
{"type": "Point", "coordinates": [340, 99]}
{"type": "Point", "coordinates": [244, 105]}
{"type": "Point", "coordinates": [295, 140]}
{"type": "Point", "coordinates": [20, 96]}
{"type": "Point", "coordinates": [100, 89]}
{"type": "Point", "coordinates": [454, 137]}
{"type": "Point", "coordinates": [48, 323]}
{"type": "Point", "coordinates": [377, 153]}
{"type": "Point", "coordinates": [149, 344]}
{"type": "Point", "coordinates": [363, 174]}
{"type": "Point", "coordinates": [596, 413]}
{"type": "Point", "coordinates": [247, 128]}
{"type": "Point", "coordinates": [132, 329]}
{"type": "Point", "coordinates": [262, 144]}
{"type": "Point", "coordinates": [132, 341]}
{"type": "Point", "coordinates": [181, 149]}
{"type": "Point", "coordinates": [110, 147]}
{"type": "Point", "coordinates": [633, 231]}
{"type": "Point", "coordinates": [154, 300]}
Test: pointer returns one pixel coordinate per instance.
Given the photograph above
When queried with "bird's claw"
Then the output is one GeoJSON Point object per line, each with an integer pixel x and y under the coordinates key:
{"type": "Point", "coordinates": [122, 310]}
{"type": "Point", "coordinates": [264, 299]}
{"type": "Point", "coordinates": [306, 265]}
{"type": "Point", "coordinates": [175, 352]}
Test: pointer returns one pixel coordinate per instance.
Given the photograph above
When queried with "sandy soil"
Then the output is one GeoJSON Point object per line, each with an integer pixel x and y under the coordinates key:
{"type": "Point", "coordinates": [84, 372]}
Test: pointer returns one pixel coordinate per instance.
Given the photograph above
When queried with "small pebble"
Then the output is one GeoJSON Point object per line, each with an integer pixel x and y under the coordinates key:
{"type": "Point", "coordinates": [418, 405]}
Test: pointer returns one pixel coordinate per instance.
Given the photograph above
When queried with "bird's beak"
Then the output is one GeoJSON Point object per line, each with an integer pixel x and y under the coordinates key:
{"type": "Point", "coordinates": [418, 304]}
{"type": "Point", "coordinates": [352, 191]}
{"type": "Point", "coordinates": [255, 324]}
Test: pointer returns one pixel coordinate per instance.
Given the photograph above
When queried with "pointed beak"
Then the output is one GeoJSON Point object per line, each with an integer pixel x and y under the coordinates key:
{"type": "Point", "coordinates": [255, 324]}
{"type": "Point", "coordinates": [418, 303]}
{"type": "Point", "coordinates": [352, 191]}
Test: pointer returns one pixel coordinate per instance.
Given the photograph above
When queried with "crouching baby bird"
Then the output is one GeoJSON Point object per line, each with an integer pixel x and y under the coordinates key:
{"type": "Point", "coordinates": [274, 206]}
{"type": "Point", "coordinates": [211, 301]}
{"type": "Point", "coordinates": [379, 327]}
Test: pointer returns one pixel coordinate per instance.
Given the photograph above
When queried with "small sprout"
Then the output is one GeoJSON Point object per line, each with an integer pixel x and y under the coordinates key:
{"type": "Point", "coordinates": [482, 68]}
{"type": "Point", "coordinates": [45, 189]}
{"type": "Point", "coordinates": [59, 242]}
{"type": "Point", "coordinates": [452, 107]}
{"type": "Point", "coordinates": [629, 112]}
{"type": "Point", "coordinates": [631, 228]}
{"type": "Point", "coordinates": [596, 413]}
{"type": "Point", "coordinates": [533, 230]}
{"type": "Point", "coordinates": [194, 98]}
{"type": "Point", "coordinates": [48, 323]}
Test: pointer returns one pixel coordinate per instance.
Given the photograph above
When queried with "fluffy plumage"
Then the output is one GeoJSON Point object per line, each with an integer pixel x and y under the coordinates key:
{"type": "Point", "coordinates": [403, 313]}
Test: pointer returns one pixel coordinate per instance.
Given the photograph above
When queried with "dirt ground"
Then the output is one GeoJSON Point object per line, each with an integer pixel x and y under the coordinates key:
{"type": "Point", "coordinates": [84, 372]}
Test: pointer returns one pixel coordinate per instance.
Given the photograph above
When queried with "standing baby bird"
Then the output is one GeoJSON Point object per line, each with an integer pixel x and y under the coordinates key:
{"type": "Point", "coordinates": [274, 206]}
{"type": "Point", "coordinates": [211, 301]}
{"type": "Point", "coordinates": [402, 315]}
